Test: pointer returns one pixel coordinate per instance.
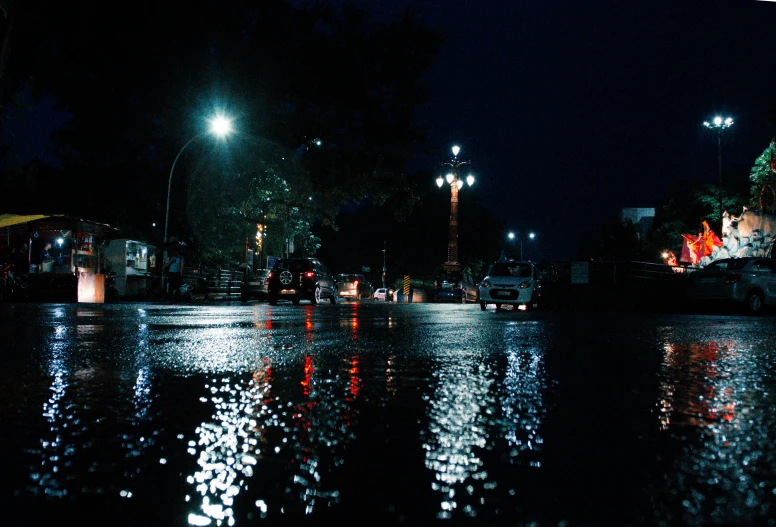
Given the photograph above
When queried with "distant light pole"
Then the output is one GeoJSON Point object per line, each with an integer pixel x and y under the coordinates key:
{"type": "Point", "coordinates": [531, 236]}
{"type": "Point", "coordinates": [453, 178]}
{"type": "Point", "coordinates": [220, 126]}
{"type": "Point", "coordinates": [719, 124]}
{"type": "Point", "coordinates": [384, 267]}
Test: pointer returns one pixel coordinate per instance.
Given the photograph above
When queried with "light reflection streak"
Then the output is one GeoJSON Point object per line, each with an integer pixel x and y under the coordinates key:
{"type": "Point", "coordinates": [137, 443]}
{"type": "Point", "coordinates": [228, 447]}
{"type": "Point", "coordinates": [306, 439]}
{"type": "Point", "coordinates": [457, 428]}
{"type": "Point", "coordinates": [712, 404]}
{"type": "Point", "coordinates": [523, 407]}
{"type": "Point", "coordinates": [48, 477]}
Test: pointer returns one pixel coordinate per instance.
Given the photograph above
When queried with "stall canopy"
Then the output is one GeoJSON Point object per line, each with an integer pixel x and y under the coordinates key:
{"type": "Point", "coordinates": [9, 220]}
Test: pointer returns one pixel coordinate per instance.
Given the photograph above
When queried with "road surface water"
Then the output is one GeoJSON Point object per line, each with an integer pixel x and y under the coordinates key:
{"type": "Point", "coordinates": [383, 413]}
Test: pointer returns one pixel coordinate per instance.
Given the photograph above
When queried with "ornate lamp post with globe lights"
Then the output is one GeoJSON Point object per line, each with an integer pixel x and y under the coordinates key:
{"type": "Point", "coordinates": [456, 183]}
{"type": "Point", "coordinates": [719, 124]}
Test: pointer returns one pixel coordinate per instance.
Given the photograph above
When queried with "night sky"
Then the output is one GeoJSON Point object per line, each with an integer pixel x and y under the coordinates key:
{"type": "Point", "coordinates": [570, 111]}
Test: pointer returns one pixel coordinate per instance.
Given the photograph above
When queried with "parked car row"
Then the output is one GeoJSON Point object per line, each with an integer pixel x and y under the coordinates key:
{"type": "Point", "coordinates": [297, 279]}
{"type": "Point", "coordinates": [748, 282]}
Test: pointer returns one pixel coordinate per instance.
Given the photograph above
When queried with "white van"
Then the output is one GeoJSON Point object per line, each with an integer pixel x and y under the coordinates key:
{"type": "Point", "coordinates": [511, 282]}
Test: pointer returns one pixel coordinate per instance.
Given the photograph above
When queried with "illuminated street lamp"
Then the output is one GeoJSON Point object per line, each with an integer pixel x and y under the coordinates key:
{"type": "Point", "coordinates": [220, 126]}
{"type": "Point", "coordinates": [719, 124]}
{"type": "Point", "coordinates": [512, 236]}
{"type": "Point", "coordinates": [456, 183]}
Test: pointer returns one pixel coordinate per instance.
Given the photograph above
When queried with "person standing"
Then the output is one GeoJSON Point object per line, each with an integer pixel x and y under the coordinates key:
{"type": "Point", "coordinates": [174, 266]}
{"type": "Point", "coordinates": [45, 255]}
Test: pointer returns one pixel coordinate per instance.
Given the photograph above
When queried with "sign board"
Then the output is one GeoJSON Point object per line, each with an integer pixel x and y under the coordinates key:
{"type": "Point", "coordinates": [271, 261]}
{"type": "Point", "coordinates": [366, 269]}
{"type": "Point", "coordinates": [580, 273]}
{"type": "Point", "coordinates": [406, 289]}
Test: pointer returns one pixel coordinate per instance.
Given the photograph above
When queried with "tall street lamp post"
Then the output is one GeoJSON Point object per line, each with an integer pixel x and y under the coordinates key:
{"type": "Point", "coordinates": [512, 235]}
{"type": "Point", "coordinates": [719, 124]}
{"type": "Point", "coordinates": [456, 183]}
{"type": "Point", "coordinates": [384, 267]}
{"type": "Point", "coordinates": [219, 126]}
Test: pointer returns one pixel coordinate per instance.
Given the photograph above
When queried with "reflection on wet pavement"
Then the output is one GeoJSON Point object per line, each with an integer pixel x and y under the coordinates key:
{"type": "Point", "coordinates": [385, 413]}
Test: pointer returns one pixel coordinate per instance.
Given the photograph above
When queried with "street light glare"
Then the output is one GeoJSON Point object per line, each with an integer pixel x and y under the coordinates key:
{"type": "Point", "coordinates": [532, 235]}
{"type": "Point", "coordinates": [220, 126]}
{"type": "Point", "coordinates": [449, 177]}
{"type": "Point", "coordinates": [511, 235]}
{"type": "Point", "coordinates": [459, 183]}
{"type": "Point", "coordinates": [456, 149]}
{"type": "Point", "coordinates": [719, 122]}
{"type": "Point", "coordinates": [440, 181]}
{"type": "Point", "coordinates": [470, 180]}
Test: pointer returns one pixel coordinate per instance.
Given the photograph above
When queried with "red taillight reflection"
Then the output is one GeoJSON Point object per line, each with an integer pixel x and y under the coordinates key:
{"type": "Point", "coordinates": [308, 274]}
{"type": "Point", "coordinates": [732, 278]}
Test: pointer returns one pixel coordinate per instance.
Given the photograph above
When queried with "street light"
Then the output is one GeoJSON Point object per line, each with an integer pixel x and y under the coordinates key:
{"type": "Point", "coordinates": [453, 178]}
{"type": "Point", "coordinates": [512, 235]}
{"type": "Point", "coordinates": [220, 126]}
{"type": "Point", "coordinates": [719, 124]}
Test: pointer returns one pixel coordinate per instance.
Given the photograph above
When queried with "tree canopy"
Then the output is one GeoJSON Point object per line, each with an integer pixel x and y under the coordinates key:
{"type": "Point", "coordinates": [140, 83]}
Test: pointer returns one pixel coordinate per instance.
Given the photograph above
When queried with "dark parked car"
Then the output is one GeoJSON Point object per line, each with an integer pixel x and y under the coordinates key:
{"type": "Point", "coordinates": [454, 286]}
{"type": "Point", "coordinates": [747, 282]}
{"type": "Point", "coordinates": [298, 279]}
{"type": "Point", "coordinates": [353, 287]}
{"type": "Point", "coordinates": [255, 284]}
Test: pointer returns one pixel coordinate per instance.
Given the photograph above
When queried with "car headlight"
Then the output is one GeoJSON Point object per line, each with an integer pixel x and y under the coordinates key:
{"type": "Point", "coordinates": [524, 285]}
{"type": "Point", "coordinates": [486, 283]}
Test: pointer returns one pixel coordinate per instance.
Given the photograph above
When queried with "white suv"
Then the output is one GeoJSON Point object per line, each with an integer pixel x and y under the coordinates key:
{"type": "Point", "coordinates": [510, 282]}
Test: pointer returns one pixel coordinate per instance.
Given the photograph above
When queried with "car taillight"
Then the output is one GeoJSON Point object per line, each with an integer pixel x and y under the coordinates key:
{"type": "Point", "coordinates": [355, 283]}
{"type": "Point", "coordinates": [269, 276]}
{"type": "Point", "coordinates": [308, 274]}
{"type": "Point", "coordinates": [732, 278]}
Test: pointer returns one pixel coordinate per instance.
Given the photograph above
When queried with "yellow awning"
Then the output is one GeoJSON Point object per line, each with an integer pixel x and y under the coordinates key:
{"type": "Point", "coordinates": [8, 220]}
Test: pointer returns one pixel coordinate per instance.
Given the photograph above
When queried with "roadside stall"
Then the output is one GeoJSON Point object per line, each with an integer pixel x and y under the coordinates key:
{"type": "Point", "coordinates": [134, 263]}
{"type": "Point", "coordinates": [64, 256]}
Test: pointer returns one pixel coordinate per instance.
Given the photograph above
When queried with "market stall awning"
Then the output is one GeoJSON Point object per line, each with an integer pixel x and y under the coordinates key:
{"type": "Point", "coordinates": [8, 220]}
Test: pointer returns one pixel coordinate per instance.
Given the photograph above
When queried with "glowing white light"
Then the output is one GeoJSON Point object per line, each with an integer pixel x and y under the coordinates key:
{"type": "Point", "coordinates": [459, 183]}
{"type": "Point", "coordinates": [470, 180]}
{"type": "Point", "coordinates": [511, 235]}
{"type": "Point", "coordinates": [456, 149]}
{"type": "Point", "coordinates": [220, 125]}
{"type": "Point", "coordinates": [719, 122]}
{"type": "Point", "coordinates": [440, 181]}
{"type": "Point", "coordinates": [532, 235]}
{"type": "Point", "coordinates": [196, 519]}
{"type": "Point", "coordinates": [449, 177]}
{"type": "Point", "coordinates": [60, 241]}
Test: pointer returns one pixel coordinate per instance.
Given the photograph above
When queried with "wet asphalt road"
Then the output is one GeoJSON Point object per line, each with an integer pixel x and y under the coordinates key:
{"type": "Point", "coordinates": [374, 413]}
